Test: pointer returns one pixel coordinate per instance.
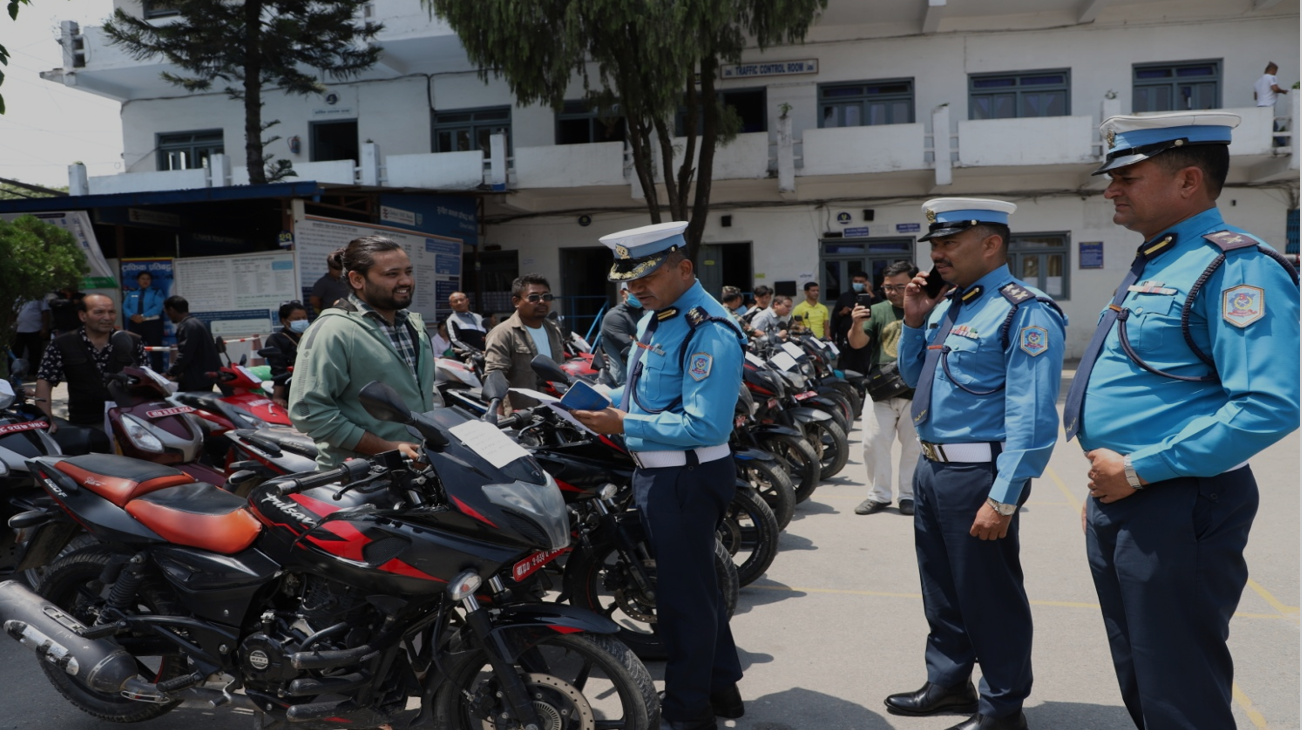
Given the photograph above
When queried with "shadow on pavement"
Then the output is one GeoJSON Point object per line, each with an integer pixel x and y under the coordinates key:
{"type": "Point", "coordinates": [762, 593]}
{"type": "Point", "coordinates": [810, 507]}
{"type": "Point", "coordinates": [1079, 715]}
{"type": "Point", "coordinates": [803, 709]}
{"type": "Point", "coordinates": [788, 541]}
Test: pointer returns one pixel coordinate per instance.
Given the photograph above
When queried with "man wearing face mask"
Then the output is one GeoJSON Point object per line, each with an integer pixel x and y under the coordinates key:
{"type": "Point", "coordinates": [842, 319]}
{"type": "Point", "coordinates": [293, 321]}
{"type": "Point", "coordinates": [618, 333]}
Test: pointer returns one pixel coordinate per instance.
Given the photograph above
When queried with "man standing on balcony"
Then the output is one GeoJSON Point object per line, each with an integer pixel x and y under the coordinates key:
{"type": "Point", "coordinates": [1265, 91]}
{"type": "Point", "coordinates": [1191, 371]}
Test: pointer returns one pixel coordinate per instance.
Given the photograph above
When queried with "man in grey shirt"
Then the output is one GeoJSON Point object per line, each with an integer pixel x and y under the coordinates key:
{"type": "Point", "coordinates": [776, 317]}
{"type": "Point", "coordinates": [464, 326]}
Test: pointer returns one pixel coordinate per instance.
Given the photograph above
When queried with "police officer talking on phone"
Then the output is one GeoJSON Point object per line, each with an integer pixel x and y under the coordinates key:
{"type": "Point", "coordinates": [985, 361]}
{"type": "Point", "coordinates": [675, 412]}
{"type": "Point", "coordinates": [1192, 370]}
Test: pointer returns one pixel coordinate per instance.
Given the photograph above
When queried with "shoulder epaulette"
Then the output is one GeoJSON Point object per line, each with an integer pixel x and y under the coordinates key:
{"type": "Point", "coordinates": [1229, 240]}
{"type": "Point", "coordinates": [1015, 293]}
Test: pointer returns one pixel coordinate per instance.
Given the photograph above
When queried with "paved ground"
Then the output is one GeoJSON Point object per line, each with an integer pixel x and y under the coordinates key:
{"type": "Point", "coordinates": [837, 624]}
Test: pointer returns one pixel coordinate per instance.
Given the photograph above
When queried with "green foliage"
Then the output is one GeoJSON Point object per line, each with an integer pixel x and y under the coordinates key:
{"type": "Point", "coordinates": [650, 58]}
{"type": "Point", "coordinates": [4, 52]}
{"type": "Point", "coordinates": [39, 258]}
{"type": "Point", "coordinates": [21, 192]}
{"type": "Point", "coordinates": [246, 46]}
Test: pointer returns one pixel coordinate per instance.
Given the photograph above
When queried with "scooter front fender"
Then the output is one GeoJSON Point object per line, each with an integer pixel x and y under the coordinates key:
{"type": "Point", "coordinates": [805, 414]}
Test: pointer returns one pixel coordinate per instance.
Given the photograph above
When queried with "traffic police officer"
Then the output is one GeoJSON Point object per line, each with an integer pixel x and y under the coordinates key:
{"type": "Point", "coordinates": [1192, 370]}
{"type": "Point", "coordinates": [986, 362]}
{"type": "Point", "coordinates": [675, 412]}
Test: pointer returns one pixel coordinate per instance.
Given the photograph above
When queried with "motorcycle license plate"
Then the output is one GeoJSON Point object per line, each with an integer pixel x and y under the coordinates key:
{"type": "Point", "coordinates": [531, 564]}
{"type": "Point", "coordinates": [169, 411]}
{"type": "Point", "coordinates": [805, 395]}
{"type": "Point", "coordinates": [23, 426]}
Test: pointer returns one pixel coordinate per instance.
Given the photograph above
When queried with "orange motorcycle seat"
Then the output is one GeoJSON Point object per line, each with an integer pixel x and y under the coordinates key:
{"type": "Point", "coordinates": [120, 479]}
{"type": "Point", "coordinates": [198, 515]}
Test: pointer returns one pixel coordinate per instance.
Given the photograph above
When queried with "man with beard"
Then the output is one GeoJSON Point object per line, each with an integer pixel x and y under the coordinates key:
{"type": "Point", "coordinates": [512, 345]}
{"type": "Point", "coordinates": [373, 338]}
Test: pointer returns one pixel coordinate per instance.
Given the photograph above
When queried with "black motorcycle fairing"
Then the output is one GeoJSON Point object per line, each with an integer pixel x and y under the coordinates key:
{"type": "Point", "coordinates": [805, 414]}
{"type": "Point", "coordinates": [777, 428]}
{"type": "Point", "coordinates": [215, 587]}
{"type": "Point", "coordinates": [519, 627]}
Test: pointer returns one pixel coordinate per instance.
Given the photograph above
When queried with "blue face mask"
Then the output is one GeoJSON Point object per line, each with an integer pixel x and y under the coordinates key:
{"type": "Point", "coordinates": [299, 326]}
{"type": "Point", "coordinates": [858, 286]}
{"type": "Point", "coordinates": [632, 301]}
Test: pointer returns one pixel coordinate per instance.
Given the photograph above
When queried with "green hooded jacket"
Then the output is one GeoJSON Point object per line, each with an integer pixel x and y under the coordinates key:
{"type": "Point", "coordinates": [340, 354]}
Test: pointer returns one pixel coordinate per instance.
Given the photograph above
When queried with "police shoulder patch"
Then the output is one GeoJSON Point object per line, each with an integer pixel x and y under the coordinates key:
{"type": "Point", "coordinates": [1242, 305]}
{"type": "Point", "coordinates": [699, 366]}
{"type": "Point", "coordinates": [1033, 340]}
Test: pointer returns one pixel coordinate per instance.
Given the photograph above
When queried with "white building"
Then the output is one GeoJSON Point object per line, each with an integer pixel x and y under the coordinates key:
{"type": "Point", "coordinates": [886, 104]}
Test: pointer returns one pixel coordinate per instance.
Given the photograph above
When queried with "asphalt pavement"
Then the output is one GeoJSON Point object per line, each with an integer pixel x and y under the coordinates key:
{"type": "Point", "coordinates": [836, 624]}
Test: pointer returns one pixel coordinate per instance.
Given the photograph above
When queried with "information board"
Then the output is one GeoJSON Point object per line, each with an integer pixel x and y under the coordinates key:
{"type": "Point", "coordinates": [237, 295]}
{"type": "Point", "coordinates": [436, 260]}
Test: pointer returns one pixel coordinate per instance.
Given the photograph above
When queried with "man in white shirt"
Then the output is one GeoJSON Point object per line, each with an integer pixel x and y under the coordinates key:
{"type": "Point", "coordinates": [1265, 91]}
{"type": "Point", "coordinates": [465, 326]}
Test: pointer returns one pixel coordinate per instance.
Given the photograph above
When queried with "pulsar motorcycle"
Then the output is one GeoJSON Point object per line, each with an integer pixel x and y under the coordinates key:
{"type": "Point", "coordinates": [329, 599]}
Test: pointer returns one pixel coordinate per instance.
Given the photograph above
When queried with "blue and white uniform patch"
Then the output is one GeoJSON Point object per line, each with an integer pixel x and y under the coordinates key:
{"type": "Point", "coordinates": [1243, 305]}
{"type": "Point", "coordinates": [700, 365]}
{"type": "Point", "coordinates": [1033, 340]}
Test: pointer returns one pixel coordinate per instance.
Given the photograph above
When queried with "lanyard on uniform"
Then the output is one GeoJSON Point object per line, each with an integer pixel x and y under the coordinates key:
{"type": "Point", "coordinates": [922, 396]}
{"type": "Point", "coordinates": [635, 367]}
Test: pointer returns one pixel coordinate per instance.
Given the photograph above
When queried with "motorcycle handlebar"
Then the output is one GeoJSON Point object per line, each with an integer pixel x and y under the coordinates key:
{"type": "Point", "coordinates": [517, 419]}
{"type": "Point", "coordinates": [345, 473]}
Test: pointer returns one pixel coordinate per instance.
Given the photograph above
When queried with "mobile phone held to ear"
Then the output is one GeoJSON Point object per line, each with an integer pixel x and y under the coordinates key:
{"type": "Point", "coordinates": [935, 284]}
{"type": "Point", "coordinates": [863, 300]}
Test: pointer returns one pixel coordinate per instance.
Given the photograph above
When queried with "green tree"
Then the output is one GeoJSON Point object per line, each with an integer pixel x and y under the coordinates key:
{"type": "Point", "coordinates": [652, 57]}
{"type": "Point", "coordinates": [251, 45]}
{"type": "Point", "coordinates": [39, 258]}
{"type": "Point", "coordinates": [4, 52]}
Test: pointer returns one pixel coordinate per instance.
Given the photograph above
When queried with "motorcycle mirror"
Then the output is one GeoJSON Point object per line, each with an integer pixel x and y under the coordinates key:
{"type": "Point", "coordinates": [124, 348]}
{"type": "Point", "coordinates": [495, 385]}
{"type": "Point", "coordinates": [383, 403]}
{"type": "Point", "coordinates": [547, 369]}
{"type": "Point", "coordinates": [18, 369]}
{"type": "Point", "coordinates": [244, 359]}
{"type": "Point", "coordinates": [269, 352]}
{"type": "Point", "coordinates": [220, 343]}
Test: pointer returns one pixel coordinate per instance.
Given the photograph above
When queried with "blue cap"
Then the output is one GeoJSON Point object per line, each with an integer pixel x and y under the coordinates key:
{"type": "Point", "coordinates": [948, 216]}
{"type": "Point", "coordinates": [640, 251]}
{"type": "Point", "coordinates": [1136, 138]}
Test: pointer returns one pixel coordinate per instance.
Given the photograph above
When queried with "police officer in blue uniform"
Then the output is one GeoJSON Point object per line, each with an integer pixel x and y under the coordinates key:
{"type": "Point", "coordinates": [986, 361]}
{"type": "Point", "coordinates": [1192, 370]}
{"type": "Point", "coordinates": [675, 412]}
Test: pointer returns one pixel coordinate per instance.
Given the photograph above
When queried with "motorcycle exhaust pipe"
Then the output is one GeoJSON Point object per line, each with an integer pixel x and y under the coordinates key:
{"type": "Point", "coordinates": [100, 664]}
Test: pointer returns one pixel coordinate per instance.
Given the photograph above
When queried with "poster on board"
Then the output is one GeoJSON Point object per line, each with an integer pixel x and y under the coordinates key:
{"type": "Point", "coordinates": [238, 295]}
{"type": "Point", "coordinates": [435, 259]}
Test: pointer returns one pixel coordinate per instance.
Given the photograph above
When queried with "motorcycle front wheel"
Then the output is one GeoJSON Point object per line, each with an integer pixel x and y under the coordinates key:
{"type": "Point", "coordinates": [576, 682]}
{"type": "Point", "coordinates": [770, 480]}
{"type": "Point", "coordinates": [750, 533]}
{"type": "Point", "coordinates": [800, 460]}
{"type": "Point", "coordinates": [830, 443]}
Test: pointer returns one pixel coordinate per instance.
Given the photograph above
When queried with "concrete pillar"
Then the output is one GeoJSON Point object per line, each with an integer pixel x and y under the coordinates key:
{"type": "Point", "coordinates": [498, 174]}
{"type": "Point", "coordinates": [940, 144]}
{"type": "Point", "coordinates": [1295, 115]}
{"type": "Point", "coordinates": [370, 164]}
{"type": "Point", "coordinates": [219, 171]}
{"type": "Point", "coordinates": [78, 183]}
{"type": "Point", "coordinates": [786, 155]}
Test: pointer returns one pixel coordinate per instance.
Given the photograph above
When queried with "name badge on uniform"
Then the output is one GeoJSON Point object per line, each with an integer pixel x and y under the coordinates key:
{"type": "Point", "coordinates": [700, 366]}
{"type": "Point", "coordinates": [1033, 340]}
{"type": "Point", "coordinates": [1150, 287]}
{"type": "Point", "coordinates": [965, 331]}
{"type": "Point", "coordinates": [1243, 305]}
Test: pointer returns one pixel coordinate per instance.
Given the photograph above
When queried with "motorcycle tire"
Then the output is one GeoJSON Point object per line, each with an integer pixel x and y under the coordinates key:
{"type": "Point", "coordinates": [851, 394]}
{"type": "Point", "coordinates": [800, 460]}
{"type": "Point", "coordinates": [33, 576]}
{"type": "Point", "coordinates": [837, 410]}
{"type": "Point", "coordinates": [578, 680]}
{"type": "Point", "coordinates": [750, 533]}
{"type": "Point", "coordinates": [597, 580]}
{"type": "Point", "coordinates": [770, 480]}
{"type": "Point", "coordinates": [73, 584]}
{"type": "Point", "coordinates": [831, 445]}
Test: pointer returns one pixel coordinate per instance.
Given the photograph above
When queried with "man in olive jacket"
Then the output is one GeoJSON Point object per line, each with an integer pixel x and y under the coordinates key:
{"type": "Point", "coordinates": [376, 338]}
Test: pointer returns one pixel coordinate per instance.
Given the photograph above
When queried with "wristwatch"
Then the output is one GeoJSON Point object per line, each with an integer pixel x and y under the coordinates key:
{"type": "Point", "coordinates": [1132, 477]}
{"type": "Point", "coordinates": [1004, 510]}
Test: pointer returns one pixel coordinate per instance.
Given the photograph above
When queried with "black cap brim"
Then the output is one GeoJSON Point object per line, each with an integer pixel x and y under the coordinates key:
{"type": "Point", "coordinates": [630, 269]}
{"type": "Point", "coordinates": [940, 230]}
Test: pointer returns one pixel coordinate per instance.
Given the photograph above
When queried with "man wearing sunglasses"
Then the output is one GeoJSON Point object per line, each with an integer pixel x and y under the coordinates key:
{"type": "Point", "coordinates": [513, 344]}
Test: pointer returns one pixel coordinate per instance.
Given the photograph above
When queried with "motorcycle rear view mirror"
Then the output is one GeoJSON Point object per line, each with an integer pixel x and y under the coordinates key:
{"type": "Point", "coordinates": [547, 369]}
{"type": "Point", "coordinates": [383, 403]}
{"type": "Point", "coordinates": [124, 348]}
{"type": "Point", "coordinates": [495, 386]}
{"type": "Point", "coordinates": [269, 353]}
{"type": "Point", "coordinates": [220, 342]}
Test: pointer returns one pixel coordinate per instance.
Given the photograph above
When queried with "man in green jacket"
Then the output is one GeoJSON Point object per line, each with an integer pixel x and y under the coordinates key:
{"type": "Point", "coordinates": [376, 338]}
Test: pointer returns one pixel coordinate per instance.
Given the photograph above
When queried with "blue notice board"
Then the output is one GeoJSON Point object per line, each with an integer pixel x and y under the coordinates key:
{"type": "Point", "coordinates": [1091, 254]}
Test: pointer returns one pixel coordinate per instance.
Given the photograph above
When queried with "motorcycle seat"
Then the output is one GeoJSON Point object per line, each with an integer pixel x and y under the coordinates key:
{"type": "Point", "coordinates": [204, 401]}
{"type": "Point", "coordinates": [120, 479]}
{"type": "Point", "coordinates": [198, 515]}
{"type": "Point", "coordinates": [283, 438]}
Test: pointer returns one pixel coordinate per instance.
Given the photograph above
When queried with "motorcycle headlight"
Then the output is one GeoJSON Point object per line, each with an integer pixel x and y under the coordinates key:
{"type": "Point", "coordinates": [536, 510]}
{"type": "Point", "coordinates": [139, 434]}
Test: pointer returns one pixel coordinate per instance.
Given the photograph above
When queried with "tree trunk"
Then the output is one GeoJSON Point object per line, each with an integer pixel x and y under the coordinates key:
{"type": "Point", "coordinates": [705, 167]}
{"type": "Point", "coordinates": [640, 141]}
{"type": "Point", "coordinates": [253, 92]}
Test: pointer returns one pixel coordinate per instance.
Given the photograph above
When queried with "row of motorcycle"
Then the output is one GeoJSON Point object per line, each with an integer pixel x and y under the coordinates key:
{"type": "Point", "coordinates": [501, 581]}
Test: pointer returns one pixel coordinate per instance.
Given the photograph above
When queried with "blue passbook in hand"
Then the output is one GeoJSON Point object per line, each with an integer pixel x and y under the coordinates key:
{"type": "Point", "coordinates": [583, 397]}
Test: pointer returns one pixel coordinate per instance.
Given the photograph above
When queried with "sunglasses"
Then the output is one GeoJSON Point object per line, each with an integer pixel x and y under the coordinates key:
{"type": "Point", "coordinates": [535, 298]}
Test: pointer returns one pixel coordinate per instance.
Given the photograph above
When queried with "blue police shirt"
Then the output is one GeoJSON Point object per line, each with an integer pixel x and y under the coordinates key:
{"type": "Point", "coordinates": [1245, 317]}
{"type": "Point", "coordinates": [694, 376]}
{"type": "Point", "coordinates": [1023, 413]}
{"type": "Point", "coordinates": [153, 303]}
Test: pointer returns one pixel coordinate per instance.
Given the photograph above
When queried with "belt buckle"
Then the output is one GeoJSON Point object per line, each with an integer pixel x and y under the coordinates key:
{"type": "Point", "coordinates": [933, 452]}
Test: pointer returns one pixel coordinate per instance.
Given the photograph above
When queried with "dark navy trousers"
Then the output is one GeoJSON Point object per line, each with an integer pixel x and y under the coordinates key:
{"type": "Point", "coordinates": [681, 508]}
{"type": "Point", "coordinates": [972, 593]}
{"type": "Point", "coordinates": [1169, 570]}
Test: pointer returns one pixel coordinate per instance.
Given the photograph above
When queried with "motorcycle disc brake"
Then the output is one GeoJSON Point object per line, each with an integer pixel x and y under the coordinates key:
{"type": "Point", "coordinates": [558, 704]}
{"type": "Point", "coordinates": [631, 600]}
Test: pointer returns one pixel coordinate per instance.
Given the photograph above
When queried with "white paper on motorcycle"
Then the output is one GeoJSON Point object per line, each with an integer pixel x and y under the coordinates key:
{"type": "Point", "coordinates": [783, 361]}
{"type": "Point", "coordinates": [489, 442]}
{"type": "Point", "coordinates": [792, 349]}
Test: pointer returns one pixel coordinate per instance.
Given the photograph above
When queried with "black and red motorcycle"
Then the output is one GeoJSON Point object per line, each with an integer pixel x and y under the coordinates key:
{"type": "Point", "coordinates": [328, 599]}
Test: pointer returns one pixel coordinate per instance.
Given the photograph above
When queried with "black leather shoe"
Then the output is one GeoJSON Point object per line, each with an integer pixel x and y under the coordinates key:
{"type": "Point", "coordinates": [701, 723]}
{"type": "Point", "coordinates": [869, 506]}
{"type": "Point", "coordinates": [933, 698]}
{"type": "Point", "coordinates": [906, 506]}
{"type": "Point", "coordinates": [982, 722]}
{"type": "Point", "coordinates": [727, 702]}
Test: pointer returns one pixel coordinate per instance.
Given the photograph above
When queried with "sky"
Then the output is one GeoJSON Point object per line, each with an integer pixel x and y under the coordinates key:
{"type": "Point", "coordinates": [48, 126]}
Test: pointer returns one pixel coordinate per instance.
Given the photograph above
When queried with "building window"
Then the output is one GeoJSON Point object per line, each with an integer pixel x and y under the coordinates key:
{"type": "Point", "coordinates": [1043, 261]}
{"type": "Point", "coordinates": [162, 9]}
{"type": "Point", "coordinates": [1019, 95]}
{"type": "Point", "coordinates": [470, 129]}
{"type": "Point", "coordinates": [579, 123]}
{"type": "Point", "coordinates": [334, 141]}
{"type": "Point", "coordinates": [188, 150]}
{"type": "Point", "coordinates": [866, 103]}
{"type": "Point", "coordinates": [1166, 87]}
{"type": "Point", "coordinates": [748, 104]}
